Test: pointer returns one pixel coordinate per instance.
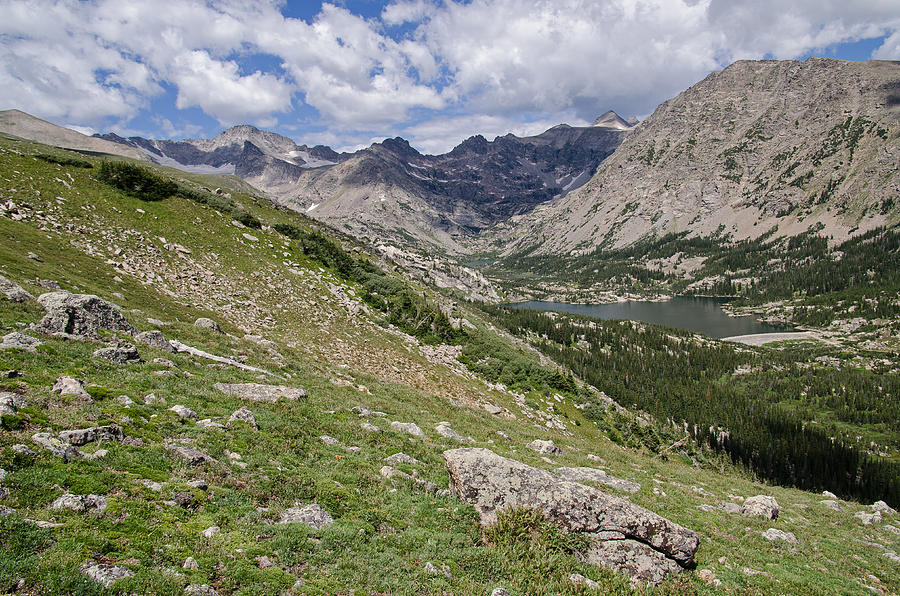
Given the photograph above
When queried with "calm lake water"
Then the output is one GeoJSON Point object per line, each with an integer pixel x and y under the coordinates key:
{"type": "Point", "coordinates": [702, 315]}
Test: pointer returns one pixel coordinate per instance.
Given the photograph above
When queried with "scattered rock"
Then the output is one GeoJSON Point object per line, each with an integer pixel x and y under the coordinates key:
{"type": "Point", "coordinates": [370, 427]}
{"type": "Point", "coordinates": [204, 323]}
{"type": "Point", "coordinates": [762, 506]}
{"type": "Point", "coordinates": [730, 507]}
{"type": "Point", "coordinates": [211, 531]}
{"type": "Point", "coordinates": [389, 472]}
{"type": "Point", "coordinates": [23, 449]}
{"type": "Point", "coordinates": [198, 484]}
{"type": "Point", "coordinates": [154, 486]}
{"type": "Point", "coordinates": [9, 403]}
{"type": "Point", "coordinates": [408, 427]}
{"type": "Point", "coordinates": [243, 414]}
{"type": "Point", "coordinates": [328, 440]}
{"type": "Point", "coordinates": [868, 518]}
{"type": "Point", "coordinates": [829, 494]}
{"type": "Point", "coordinates": [492, 409]}
{"type": "Point", "coordinates": [105, 574]}
{"type": "Point", "coordinates": [500, 592]}
{"type": "Point", "coordinates": [14, 291]}
{"type": "Point", "coordinates": [623, 535]}
{"type": "Point", "coordinates": [892, 529]}
{"type": "Point", "coordinates": [544, 447]}
{"type": "Point", "coordinates": [89, 435]}
{"type": "Point", "coordinates": [882, 507]}
{"type": "Point", "coordinates": [151, 399]}
{"type": "Point", "coordinates": [80, 316]}
{"type": "Point", "coordinates": [503, 434]}
{"type": "Point", "coordinates": [20, 341]}
{"type": "Point", "coordinates": [443, 429]}
{"type": "Point", "coordinates": [311, 515]}
{"type": "Point", "coordinates": [56, 446]}
{"type": "Point", "coordinates": [701, 491]}
{"type": "Point", "coordinates": [708, 577]}
{"type": "Point", "coordinates": [257, 392]}
{"type": "Point", "coordinates": [773, 534]}
{"type": "Point", "coordinates": [183, 412]}
{"type": "Point", "coordinates": [80, 503]}
{"type": "Point", "coordinates": [583, 475]}
{"type": "Point", "coordinates": [402, 458]}
{"type": "Point", "coordinates": [264, 562]}
{"type": "Point", "coordinates": [125, 401]}
{"type": "Point", "coordinates": [200, 590]}
{"type": "Point", "coordinates": [71, 386]}
{"type": "Point", "coordinates": [155, 339]}
{"type": "Point", "coordinates": [209, 423]}
{"type": "Point", "coordinates": [430, 567]}
{"type": "Point", "coordinates": [580, 580]}
{"type": "Point", "coordinates": [891, 556]}
{"type": "Point", "coordinates": [193, 456]}
{"type": "Point", "coordinates": [121, 354]}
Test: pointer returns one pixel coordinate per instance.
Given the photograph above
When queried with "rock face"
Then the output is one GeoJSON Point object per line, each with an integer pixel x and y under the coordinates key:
{"type": "Point", "coordinates": [623, 535]}
{"type": "Point", "coordinates": [257, 392]}
{"type": "Point", "coordinates": [311, 515]}
{"type": "Point", "coordinates": [753, 145]}
{"type": "Point", "coordinates": [14, 291]}
{"type": "Point", "coordinates": [80, 316]}
{"type": "Point", "coordinates": [20, 341]}
{"type": "Point", "coordinates": [583, 475]}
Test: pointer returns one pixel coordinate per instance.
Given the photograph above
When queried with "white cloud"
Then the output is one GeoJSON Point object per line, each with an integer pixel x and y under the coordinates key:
{"type": "Point", "coordinates": [406, 11]}
{"type": "Point", "coordinates": [890, 49]}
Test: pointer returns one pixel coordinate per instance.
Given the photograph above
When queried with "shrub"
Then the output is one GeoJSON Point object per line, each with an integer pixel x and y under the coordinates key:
{"type": "Point", "coordinates": [65, 161]}
{"type": "Point", "coordinates": [136, 181]}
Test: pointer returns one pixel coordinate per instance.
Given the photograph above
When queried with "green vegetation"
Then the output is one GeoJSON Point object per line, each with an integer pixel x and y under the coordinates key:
{"type": "Point", "coordinates": [65, 161]}
{"type": "Point", "coordinates": [136, 181]}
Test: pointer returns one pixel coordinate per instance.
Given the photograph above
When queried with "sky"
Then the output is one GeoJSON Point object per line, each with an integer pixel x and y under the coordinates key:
{"type": "Point", "coordinates": [351, 72]}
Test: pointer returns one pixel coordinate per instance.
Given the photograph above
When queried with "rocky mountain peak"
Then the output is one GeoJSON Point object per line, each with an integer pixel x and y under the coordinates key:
{"type": "Point", "coordinates": [612, 120]}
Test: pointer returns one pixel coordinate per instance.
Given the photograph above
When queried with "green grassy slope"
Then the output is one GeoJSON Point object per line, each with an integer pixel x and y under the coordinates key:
{"type": "Point", "coordinates": [176, 260]}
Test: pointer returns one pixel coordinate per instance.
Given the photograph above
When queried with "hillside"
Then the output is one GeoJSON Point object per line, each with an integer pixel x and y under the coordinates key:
{"type": "Point", "coordinates": [26, 126]}
{"type": "Point", "coordinates": [158, 474]}
{"type": "Point", "coordinates": [755, 146]}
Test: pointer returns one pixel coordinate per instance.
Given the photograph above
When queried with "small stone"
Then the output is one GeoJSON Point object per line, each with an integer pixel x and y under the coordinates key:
{"type": "Point", "coordinates": [708, 577]}
{"type": "Point", "coordinates": [362, 411]}
{"type": "Point", "coordinates": [868, 518]}
{"type": "Point", "coordinates": [80, 503]}
{"type": "Point", "coordinates": [209, 423]}
{"type": "Point", "coordinates": [195, 457]}
{"type": "Point", "coordinates": [20, 341]}
{"type": "Point", "coordinates": [205, 323]}
{"type": "Point", "coordinates": [328, 440]}
{"type": "Point", "coordinates": [492, 409]}
{"type": "Point", "coordinates": [125, 401]}
{"type": "Point", "coordinates": [503, 434]}
{"type": "Point", "coordinates": [772, 534]}
{"type": "Point", "coordinates": [408, 427]}
{"type": "Point", "coordinates": [200, 590]}
{"type": "Point", "coordinates": [199, 484]}
{"type": "Point", "coordinates": [264, 562]}
{"type": "Point", "coordinates": [243, 415]}
{"type": "Point", "coordinates": [71, 386]}
{"type": "Point", "coordinates": [402, 458]}
{"type": "Point", "coordinates": [500, 592]}
{"type": "Point", "coordinates": [163, 362]}
{"type": "Point", "coordinates": [14, 291]}
{"type": "Point", "coordinates": [891, 556]}
{"type": "Point", "coordinates": [430, 567]}
{"type": "Point", "coordinates": [190, 564]}
{"type": "Point", "coordinates": [311, 515]}
{"type": "Point", "coordinates": [121, 355]}
{"type": "Point", "coordinates": [154, 486]}
{"type": "Point", "coordinates": [151, 399]}
{"type": "Point", "coordinates": [155, 339]}
{"type": "Point", "coordinates": [730, 507]}
{"type": "Point", "coordinates": [882, 507]}
{"type": "Point", "coordinates": [831, 504]}
{"type": "Point", "coordinates": [370, 427]}
{"type": "Point", "coordinates": [892, 529]}
{"type": "Point", "coordinates": [762, 506]}
{"type": "Point", "coordinates": [8, 403]}
{"type": "Point", "coordinates": [105, 574]}
{"type": "Point", "coordinates": [443, 429]}
{"type": "Point", "coordinates": [23, 449]}
{"type": "Point", "coordinates": [84, 436]}
{"type": "Point", "coordinates": [183, 412]}
{"type": "Point", "coordinates": [389, 472]}
{"type": "Point", "coordinates": [829, 494]}
{"type": "Point", "coordinates": [580, 580]}
{"type": "Point", "coordinates": [544, 447]}
{"type": "Point", "coordinates": [211, 532]}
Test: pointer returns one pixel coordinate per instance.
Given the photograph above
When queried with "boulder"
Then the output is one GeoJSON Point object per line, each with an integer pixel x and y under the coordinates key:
{"type": "Point", "coordinates": [155, 339]}
{"type": "Point", "coordinates": [71, 386]}
{"type": "Point", "coordinates": [443, 429]}
{"type": "Point", "coordinates": [14, 291]}
{"type": "Point", "coordinates": [200, 590]}
{"type": "Point", "coordinates": [868, 518]}
{"type": "Point", "coordinates": [310, 515]}
{"type": "Point", "coordinates": [9, 403]}
{"type": "Point", "coordinates": [544, 447]}
{"type": "Point", "coordinates": [193, 456]}
{"type": "Point", "coordinates": [583, 582]}
{"type": "Point", "coordinates": [105, 574]}
{"type": "Point", "coordinates": [369, 427]}
{"type": "Point", "coordinates": [56, 446]}
{"type": "Point", "coordinates": [730, 507]}
{"type": "Point", "coordinates": [121, 354]}
{"type": "Point", "coordinates": [257, 392]}
{"type": "Point", "coordinates": [80, 503]}
{"type": "Point", "coordinates": [204, 323]}
{"type": "Point", "coordinates": [832, 504]}
{"type": "Point", "coordinates": [20, 341]}
{"type": "Point", "coordinates": [492, 483]}
{"type": "Point", "coordinates": [408, 427]}
{"type": "Point", "coordinates": [882, 507]}
{"type": "Point", "coordinates": [211, 532]}
{"type": "Point", "coordinates": [243, 414]}
{"type": "Point", "coordinates": [84, 436]}
{"type": "Point", "coordinates": [594, 475]}
{"type": "Point", "coordinates": [762, 506]}
{"type": "Point", "coordinates": [402, 458]}
{"type": "Point", "coordinates": [80, 316]}
{"type": "Point", "coordinates": [772, 535]}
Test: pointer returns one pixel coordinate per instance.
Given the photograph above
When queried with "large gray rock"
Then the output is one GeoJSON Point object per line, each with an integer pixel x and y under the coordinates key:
{"type": "Point", "coordinates": [640, 561]}
{"type": "Point", "coordinates": [121, 354]}
{"type": "Point", "coordinates": [492, 483]}
{"type": "Point", "coordinates": [105, 574]}
{"type": "Point", "coordinates": [80, 316]}
{"type": "Point", "coordinates": [408, 427]}
{"type": "Point", "coordinates": [883, 507]}
{"type": "Point", "coordinates": [71, 386]}
{"type": "Point", "coordinates": [84, 436]}
{"type": "Point", "coordinates": [257, 392]}
{"type": "Point", "coordinates": [773, 534]}
{"type": "Point", "coordinates": [155, 339]}
{"type": "Point", "coordinates": [243, 414]}
{"type": "Point", "coordinates": [56, 446]}
{"type": "Point", "coordinates": [204, 323]}
{"type": "Point", "coordinates": [311, 515]}
{"type": "Point", "coordinates": [594, 475]}
{"type": "Point", "coordinates": [14, 291]}
{"type": "Point", "coordinates": [762, 506]}
{"type": "Point", "coordinates": [20, 341]}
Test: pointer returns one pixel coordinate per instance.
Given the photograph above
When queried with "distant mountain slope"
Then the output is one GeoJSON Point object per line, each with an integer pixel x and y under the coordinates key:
{"type": "Point", "coordinates": [392, 192]}
{"type": "Point", "coordinates": [26, 126]}
{"type": "Point", "coordinates": [753, 146]}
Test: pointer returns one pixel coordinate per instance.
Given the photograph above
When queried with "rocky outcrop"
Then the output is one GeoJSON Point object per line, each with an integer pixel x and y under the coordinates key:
{"type": "Point", "coordinates": [20, 341]}
{"type": "Point", "coordinates": [257, 392]}
{"type": "Point", "coordinates": [594, 475]}
{"type": "Point", "coordinates": [623, 535]}
{"type": "Point", "coordinates": [80, 316]}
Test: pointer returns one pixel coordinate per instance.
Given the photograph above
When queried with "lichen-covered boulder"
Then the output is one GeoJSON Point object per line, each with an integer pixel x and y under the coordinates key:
{"type": "Point", "coordinates": [623, 535]}
{"type": "Point", "coordinates": [121, 354]}
{"type": "Point", "coordinates": [596, 476]}
{"type": "Point", "coordinates": [545, 447]}
{"type": "Point", "coordinates": [311, 515]}
{"type": "Point", "coordinates": [155, 339]}
{"type": "Point", "coordinates": [14, 291]}
{"type": "Point", "coordinates": [20, 341]}
{"type": "Point", "coordinates": [258, 392]}
{"type": "Point", "coordinates": [762, 506]}
{"type": "Point", "coordinates": [80, 316]}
